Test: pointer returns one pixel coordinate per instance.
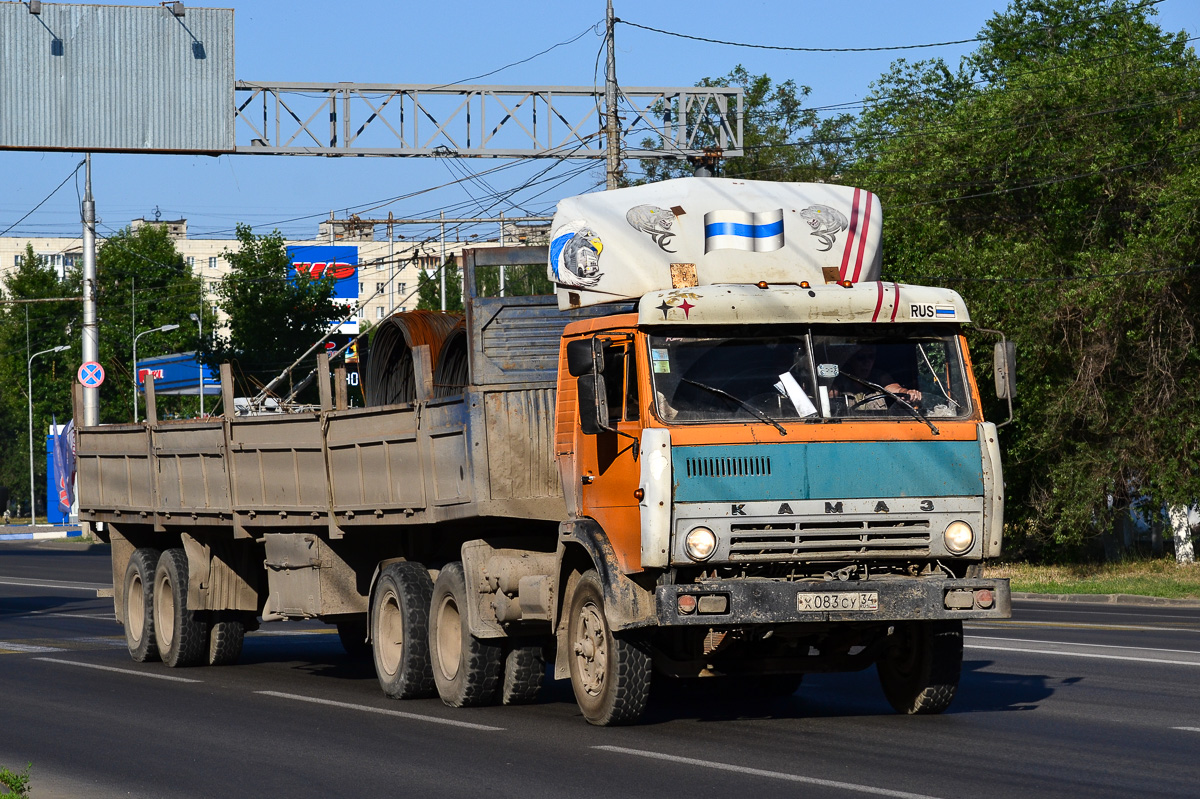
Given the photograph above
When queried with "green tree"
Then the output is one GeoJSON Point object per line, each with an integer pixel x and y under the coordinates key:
{"type": "Point", "coordinates": [272, 318]}
{"type": "Point", "coordinates": [429, 288]}
{"type": "Point", "coordinates": [1051, 180]}
{"type": "Point", "coordinates": [142, 282]}
{"type": "Point", "coordinates": [25, 329]}
{"type": "Point", "coordinates": [782, 139]}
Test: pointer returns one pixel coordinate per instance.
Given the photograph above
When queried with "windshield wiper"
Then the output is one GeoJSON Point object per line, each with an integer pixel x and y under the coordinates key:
{"type": "Point", "coordinates": [916, 414]}
{"type": "Point", "coordinates": [739, 401]}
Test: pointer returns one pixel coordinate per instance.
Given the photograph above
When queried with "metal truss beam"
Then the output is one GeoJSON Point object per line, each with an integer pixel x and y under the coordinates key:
{"type": "Point", "coordinates": [374, 119]}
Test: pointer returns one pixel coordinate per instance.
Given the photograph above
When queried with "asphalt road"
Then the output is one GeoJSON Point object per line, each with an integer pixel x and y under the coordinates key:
{"type": "Point", "coordinates": [1061, 701]}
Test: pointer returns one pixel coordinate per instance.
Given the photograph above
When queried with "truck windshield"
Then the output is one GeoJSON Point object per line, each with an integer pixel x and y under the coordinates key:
{"type": "Point", "coordinates": [828, 371]}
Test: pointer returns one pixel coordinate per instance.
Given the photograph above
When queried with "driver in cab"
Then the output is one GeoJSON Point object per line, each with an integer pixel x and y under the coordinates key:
{"type": "Point", "coordinates": [865, 365]}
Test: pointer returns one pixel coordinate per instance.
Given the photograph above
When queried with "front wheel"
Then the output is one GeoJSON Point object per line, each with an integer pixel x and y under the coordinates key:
{"type": "Point", "coordinates": [610, 672]}
{"type": "Point", "coordinates": [919, 670]}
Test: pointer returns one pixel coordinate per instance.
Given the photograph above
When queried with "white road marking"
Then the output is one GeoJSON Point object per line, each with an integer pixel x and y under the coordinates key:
{"type": "Point", "coordinates": [1078, 625]}
{"type": "Point", "coordinates": [109, 617]}
{"type": "Point", "coordinates": [757, 772]}
{"type": "Point", "coordinates": [98, 667]}
{"type": "Point", "coordinates": [1053, 648]}
{"type": "Point", "coordinates": [1187, 729]}
{"type": "Point", "coordinates": [15, 647]}
{"type": "Point", "coordinates": [1076, 643]}
{"type": "Point", "coordinates": [368, 709]}
{"type": "Point", "coordinates": [52, 584]}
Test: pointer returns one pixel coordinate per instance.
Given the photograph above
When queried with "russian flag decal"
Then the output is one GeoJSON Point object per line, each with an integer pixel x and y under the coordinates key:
{"type": "Point", "coordinates": [743, 230]}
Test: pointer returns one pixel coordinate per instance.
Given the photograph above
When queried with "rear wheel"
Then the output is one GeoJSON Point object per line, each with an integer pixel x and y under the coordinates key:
{"type": "Point", "coordinates": [180, 634]}
{"type": "Point", "coordinates": [524, 670]}
{"type": "Point", "coordinates": [139, 605]}
{"type": "Point", "coordinates": [225, 640]}
{"type": "Point", "coordinates": [919, 670]}
{"type": "Point", "coordinates": [400, 621]}
{"type": "Point", "coordinates": [466, 669]}
{"type": "Point", "coordinates": [610, 672]}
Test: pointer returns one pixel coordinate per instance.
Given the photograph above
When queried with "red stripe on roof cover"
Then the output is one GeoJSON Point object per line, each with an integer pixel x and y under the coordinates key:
{"type": "Point", "coordinates": [850, 237]}
{"type": "Point", "coordinates": [878, 302]}
{"type": "Point", "coordinates": [862, 240]}
{"type": "Point", "coordinates": [896, 302]}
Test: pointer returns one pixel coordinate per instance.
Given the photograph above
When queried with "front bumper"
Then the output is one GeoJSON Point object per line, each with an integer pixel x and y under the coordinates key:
{"type": "Point", "coordinates": [751, 601]}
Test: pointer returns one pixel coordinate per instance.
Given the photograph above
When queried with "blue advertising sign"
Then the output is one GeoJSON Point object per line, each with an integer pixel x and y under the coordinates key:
{"type": "Point", "coordinates": [340, 262]}
{"type": "Point", "coordinates": [180, 373]}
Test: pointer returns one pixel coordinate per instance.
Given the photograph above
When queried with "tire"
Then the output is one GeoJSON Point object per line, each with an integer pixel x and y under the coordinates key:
{"type": "Point", "coordinates": [610, 673]}
{"type": "Point", "coordinates": [524, 671]}
{"type": "Point", "coordinates": [399, 629]}
{"type": "Point", "coordinates": [139, 605]}
{"type": "Point", "coordinates": [181, 635]}
{"type": "Point", "coordinates": [353, 635]}
{"type": "Point", "coordinates": [919, 671]}
{"type": "Point", "coordinates": [468, 671]}
{"type": "Point", "coordinates": [225, 641]}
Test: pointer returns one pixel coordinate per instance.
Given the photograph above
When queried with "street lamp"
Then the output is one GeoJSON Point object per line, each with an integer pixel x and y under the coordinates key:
{"type": "Point", "coordinates": [29, 374]}
{"type": "Point", "coordinates": [163, 329]}
{"type": "Point", "coordinates": [200, 333]}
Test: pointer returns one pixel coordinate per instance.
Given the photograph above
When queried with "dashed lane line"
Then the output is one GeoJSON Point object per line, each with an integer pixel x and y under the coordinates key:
{"type": "Point", "coordinates": [131, 672]}
{"type": "Point", "coordinates": [63, 584]}
{"type": "Point", "coordinates": [381, 711]}
{"type": "Point", "coordinates": [12, 647]}
{"type": "Point", "coordinates": [1187, 729]}
{"type": "Point", "coordinates": [757, 772]}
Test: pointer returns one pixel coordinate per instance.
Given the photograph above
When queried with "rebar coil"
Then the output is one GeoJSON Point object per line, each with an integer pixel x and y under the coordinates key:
{"type": "Point", "coordinates": [451, 375]}
{"type": "Point", "coordinates": [390, 376]}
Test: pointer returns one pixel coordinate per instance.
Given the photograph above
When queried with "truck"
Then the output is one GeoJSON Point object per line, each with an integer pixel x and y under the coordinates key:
{"type": "Point", "coordinates": [723, 452]}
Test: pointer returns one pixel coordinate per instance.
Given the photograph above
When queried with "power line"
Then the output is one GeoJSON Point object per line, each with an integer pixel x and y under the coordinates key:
{"type": "Point", "coordinates": [1120, 10]}
{"type": "Point", "coordinates": [47, 197]}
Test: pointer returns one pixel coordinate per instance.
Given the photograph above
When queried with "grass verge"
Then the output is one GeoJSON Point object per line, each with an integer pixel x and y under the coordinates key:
{"type": "Point", "coordinates": [1160, 577]}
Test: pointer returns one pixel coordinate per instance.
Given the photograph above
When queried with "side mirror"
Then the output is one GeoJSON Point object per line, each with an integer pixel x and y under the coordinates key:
{"type": "Point", "coordinates": [593, 404]}
{"type": "Point", "coordinates": [584, 356]}
{"type": "Point", "coordinates": [1006, 370]}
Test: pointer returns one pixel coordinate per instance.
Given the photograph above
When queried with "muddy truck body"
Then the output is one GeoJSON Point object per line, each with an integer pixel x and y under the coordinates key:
{"type": "Point", "coordinates": [724, 449]}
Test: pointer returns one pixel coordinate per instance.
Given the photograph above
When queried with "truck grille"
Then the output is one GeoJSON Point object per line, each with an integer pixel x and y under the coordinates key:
{"type": "Point", "coordinates": [759, 466]}
{"type": "Point", "coordinates": [837, 541]}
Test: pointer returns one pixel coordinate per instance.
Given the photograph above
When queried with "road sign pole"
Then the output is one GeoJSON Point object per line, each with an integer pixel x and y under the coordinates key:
{"type": "Point", "coordinates": [91, 332]}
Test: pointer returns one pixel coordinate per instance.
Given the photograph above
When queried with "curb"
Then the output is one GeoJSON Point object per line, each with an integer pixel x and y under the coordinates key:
{"type": "Point", "coordinates": [1108, 599]}
{"type": "Point", "coordinates": [45, 534]}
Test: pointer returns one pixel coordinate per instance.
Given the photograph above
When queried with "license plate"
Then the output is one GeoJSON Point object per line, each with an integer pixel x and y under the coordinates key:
{"type": "Point", "coordinates": [837, 600]}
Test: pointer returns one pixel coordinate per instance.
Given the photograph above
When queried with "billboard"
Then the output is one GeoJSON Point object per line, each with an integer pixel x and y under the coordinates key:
{"type": "Point", "coordinates": [316, 261]}
{"type": "Point", "coordinates": [180, 373]}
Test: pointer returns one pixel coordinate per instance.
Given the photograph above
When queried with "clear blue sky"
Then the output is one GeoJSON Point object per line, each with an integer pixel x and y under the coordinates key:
{"type": "Point", "coordinates": [403, 42]}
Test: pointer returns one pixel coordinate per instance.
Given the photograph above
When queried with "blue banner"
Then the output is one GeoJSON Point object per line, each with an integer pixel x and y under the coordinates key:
{"type": "Point", "coordinates": [339, 262]}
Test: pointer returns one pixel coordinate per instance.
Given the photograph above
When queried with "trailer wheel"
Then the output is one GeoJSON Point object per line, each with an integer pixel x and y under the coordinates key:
{"type": "Point", "coordinates": [180, 634]}
{"type": "Point", "coordinates": [466, 669]}
{"type": "Point", "coordinates": [919, 671]}
{"type": "Point", "coordinates": [610, 672]}
{"type": "Point", "coordinates": [225, 641]}
{"type": "Point", "coordinates": [400, 620]}
{"type": "Point", "coordinates": [139, 605]}
{"type": "Point", "coordinates": [524, 670]}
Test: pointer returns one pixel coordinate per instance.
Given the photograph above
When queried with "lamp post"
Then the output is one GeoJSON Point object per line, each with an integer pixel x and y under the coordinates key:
{"type": "Point", "coordinates": [200, 333]}
{"type": "Point", "coordinates": [29, 374]}
{"type": "Point", "coordinates": [163, 329]}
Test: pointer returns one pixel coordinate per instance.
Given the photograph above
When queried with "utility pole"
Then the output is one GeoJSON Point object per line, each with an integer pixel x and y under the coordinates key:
{"type": "Point", "coordinates": [91, 331]}
{"type": "Point", "coordinates": [612, 127]}
{"type": "Point", "coordinates": [442, 271]}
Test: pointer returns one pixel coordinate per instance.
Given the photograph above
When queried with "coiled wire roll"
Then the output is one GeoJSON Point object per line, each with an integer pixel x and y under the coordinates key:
{"type": "Point", "coordinates": [451, 375]}
{"type": "Point", "coordinates": [390, 376]}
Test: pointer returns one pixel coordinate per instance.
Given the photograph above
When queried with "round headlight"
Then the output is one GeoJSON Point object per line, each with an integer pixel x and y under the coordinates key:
{"type": "Point", "coordinates": [700, 543]}
{"type": "Point", "coordinates": [959, 537]}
